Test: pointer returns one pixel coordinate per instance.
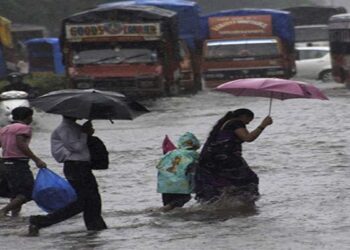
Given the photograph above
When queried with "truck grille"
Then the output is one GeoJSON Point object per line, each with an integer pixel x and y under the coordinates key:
{"type": "Point", "coordinates": [115, 84]}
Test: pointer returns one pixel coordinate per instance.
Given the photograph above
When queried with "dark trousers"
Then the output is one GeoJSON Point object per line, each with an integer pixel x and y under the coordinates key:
{"type": "Point", "coordinates": [88, 201]}
{"type": "Point", "coordinates": [175, 200]}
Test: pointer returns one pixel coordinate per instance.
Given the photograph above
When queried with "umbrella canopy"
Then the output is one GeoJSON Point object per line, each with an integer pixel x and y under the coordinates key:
{"type": "Point", "coordinates": [89, 104]}
{"type": "Point", "coordinates": [273, 88]}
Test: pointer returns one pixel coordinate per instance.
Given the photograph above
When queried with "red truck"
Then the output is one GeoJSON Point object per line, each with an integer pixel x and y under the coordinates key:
{"type": "Point", "coordinates": [129, 49]}
{"type": "Point", "coordinates": [247, 43]}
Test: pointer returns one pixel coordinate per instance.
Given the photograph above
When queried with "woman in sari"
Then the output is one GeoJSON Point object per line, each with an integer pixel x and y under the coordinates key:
{"type": "Point", "coordinates": [222, 169]}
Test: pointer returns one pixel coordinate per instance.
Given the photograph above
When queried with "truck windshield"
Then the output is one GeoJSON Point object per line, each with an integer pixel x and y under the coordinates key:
{"type": "Point", "coordinates": [231, 49]}
{"type": "Point", "coordinates": [120, 55]}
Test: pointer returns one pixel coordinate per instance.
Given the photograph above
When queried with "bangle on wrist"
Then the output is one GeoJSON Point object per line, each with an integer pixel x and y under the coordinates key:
{"type": "Point", "coordinates": [261, 128]}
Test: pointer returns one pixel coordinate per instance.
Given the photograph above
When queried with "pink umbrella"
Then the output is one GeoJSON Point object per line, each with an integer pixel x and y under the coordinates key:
{"type": "Point", "coordinates": [273, 88]}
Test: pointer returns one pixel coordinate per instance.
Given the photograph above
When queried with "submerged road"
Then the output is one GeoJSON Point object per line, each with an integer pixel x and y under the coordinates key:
{"type": "Point", "coordinates": [303, 161]}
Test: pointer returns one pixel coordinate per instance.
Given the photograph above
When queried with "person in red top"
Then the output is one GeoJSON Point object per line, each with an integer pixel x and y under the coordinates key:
{"type": "Point", "coordinates": [14, 140]}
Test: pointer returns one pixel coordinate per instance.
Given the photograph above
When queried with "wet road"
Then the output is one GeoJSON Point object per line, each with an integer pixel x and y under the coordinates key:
{"type": "Point", "coordinates": [303, 161]}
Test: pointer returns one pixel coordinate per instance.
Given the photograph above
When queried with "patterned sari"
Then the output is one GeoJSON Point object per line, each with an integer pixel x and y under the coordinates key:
{"type": "Point", "coordinates": [222, 167]}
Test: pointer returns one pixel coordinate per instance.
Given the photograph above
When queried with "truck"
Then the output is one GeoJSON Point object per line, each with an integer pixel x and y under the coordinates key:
{"type": "Point", "coordinates": [311, 24]}
{"type": "Point", "coordinates": [247, 43]}
{"type": "Point", "coordinates": [339, 39]}
{"type": "Point", "coordinates": [6, 47]}
{"type": "Point", "coordinates": [44, 55]}
{"type": "Point", "coordinates": [125, 48]}
{"type": "Point", "coordinates": [188, 16]}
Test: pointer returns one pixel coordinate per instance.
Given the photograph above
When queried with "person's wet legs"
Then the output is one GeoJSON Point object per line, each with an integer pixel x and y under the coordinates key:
{"type": "Point", "coordinates": [171, 201]}
{"type": "Point", "coordinates": [93, 204]}
{"type": "Point", "coordinates": [89, 201]}
{"type": "Point", "coordinates": [13, 205]}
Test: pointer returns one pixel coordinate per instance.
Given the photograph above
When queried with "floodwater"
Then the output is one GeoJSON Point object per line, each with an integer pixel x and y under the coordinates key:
{"type": "Point", "coordinates": [303, 161]}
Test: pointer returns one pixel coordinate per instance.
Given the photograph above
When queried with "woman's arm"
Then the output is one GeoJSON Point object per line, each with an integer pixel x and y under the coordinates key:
{"type": "Point", "coordinates": [247, 136]}
{"type": "Point", "coordinates": [21, 141]}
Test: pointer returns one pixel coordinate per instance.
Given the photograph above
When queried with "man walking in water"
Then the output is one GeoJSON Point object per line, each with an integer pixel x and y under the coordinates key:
{"type": "Point", "coordinates": [69, 146]}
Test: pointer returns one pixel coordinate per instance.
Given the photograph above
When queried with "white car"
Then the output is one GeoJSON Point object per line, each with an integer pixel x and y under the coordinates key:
{"type": "Point", "coordinates": [314, 63]}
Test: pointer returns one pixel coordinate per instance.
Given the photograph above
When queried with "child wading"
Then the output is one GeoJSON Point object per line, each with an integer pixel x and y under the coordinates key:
{"type": "Point", "coordinates": [175, 172]}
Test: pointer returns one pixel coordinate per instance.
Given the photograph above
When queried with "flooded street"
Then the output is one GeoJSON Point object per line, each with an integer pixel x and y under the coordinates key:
{"type": "Point", "coordinates": [303, 161]}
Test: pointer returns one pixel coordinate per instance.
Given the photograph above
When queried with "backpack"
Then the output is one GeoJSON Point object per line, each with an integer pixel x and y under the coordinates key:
{"type": "Point", "coordinates": [98, 153]}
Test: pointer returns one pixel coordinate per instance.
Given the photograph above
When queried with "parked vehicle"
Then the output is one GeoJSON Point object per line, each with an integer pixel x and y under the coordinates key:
{"type": "Point", "coordinates": [311, 35]}
{"type": "Point", "coordinates": [6, 48]}
{"type": "Point", "coordinates": [129, 49]}
{"type": "Point", "coordinates": [339, 33]}
{"type": "Point", "coordinates": [44, 55]}
{"type": "Point", "coordinates": [314, 63]}
{"type": "Point", "coordinates": [247, 43]}
{"type": "Point", "coordinates": [3, 68]}
{"type": "Point", "coordinates": [311, 23]}
{"type": "Point", "coordinates": [188, 15]}
{"type": "Point", "coordinates": [10, 100]}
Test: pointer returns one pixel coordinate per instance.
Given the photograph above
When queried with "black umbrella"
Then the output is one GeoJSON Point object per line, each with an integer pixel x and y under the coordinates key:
{"type": "Point", "coordinates": [89, 104]}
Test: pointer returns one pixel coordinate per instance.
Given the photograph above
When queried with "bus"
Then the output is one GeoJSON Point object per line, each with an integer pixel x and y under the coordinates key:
{"type": "Point", "coordinates": [311, 24]}
{"type": "Point", "coordinates": [339, 38]}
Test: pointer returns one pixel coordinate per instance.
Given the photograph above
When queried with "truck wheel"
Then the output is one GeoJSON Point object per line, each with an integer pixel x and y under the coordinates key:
{"type": "Point", "coordinates": [197, 82]}
{"type": "Point", "coordinates": [164, 88]}
{"type": "Point", "coordinates": [326, 76]}
{"type": "Point", "coordinates": [173, 89]}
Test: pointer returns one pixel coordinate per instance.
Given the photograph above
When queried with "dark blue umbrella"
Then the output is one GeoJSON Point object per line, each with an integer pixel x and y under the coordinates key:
{"type": "Point", "coordinates": [90, 104]}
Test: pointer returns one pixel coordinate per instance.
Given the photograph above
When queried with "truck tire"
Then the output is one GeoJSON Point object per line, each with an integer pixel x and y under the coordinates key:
{"type": "Point", "coordinates": [173, 89]}
{"type": "Point", "coordinates": [326, 76]}
{"type": "Point", "coordinates": [164, 88]}
{"type": "Point", "coordinates": [198, 82]}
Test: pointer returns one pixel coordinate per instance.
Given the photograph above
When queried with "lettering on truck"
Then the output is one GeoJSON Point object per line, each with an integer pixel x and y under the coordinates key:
{"type": "Point", "coordinates": [112, 29]}
{"type": "Point", "coordinates": [230, 26]}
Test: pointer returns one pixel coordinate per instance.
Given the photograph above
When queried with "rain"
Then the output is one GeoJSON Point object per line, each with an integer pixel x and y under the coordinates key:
{"type": "Point", "coordinates": [301, 159]}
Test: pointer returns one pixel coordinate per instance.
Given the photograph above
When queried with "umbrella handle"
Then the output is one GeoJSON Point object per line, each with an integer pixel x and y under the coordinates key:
{"type": "Point", "coordinates": [270, 105]}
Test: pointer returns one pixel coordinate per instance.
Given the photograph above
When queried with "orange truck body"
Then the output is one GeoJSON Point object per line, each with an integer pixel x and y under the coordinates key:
{"type": "Point", "coordinates": [116, 50]}
{"type": "Point", "coordinates": [244, 46]}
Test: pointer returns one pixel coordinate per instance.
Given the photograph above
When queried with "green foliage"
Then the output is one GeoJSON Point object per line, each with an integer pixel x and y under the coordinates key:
{"type": "Point", "coordinates": [43, 82]}
{"type": "Point", "coordinates": [46, 82]}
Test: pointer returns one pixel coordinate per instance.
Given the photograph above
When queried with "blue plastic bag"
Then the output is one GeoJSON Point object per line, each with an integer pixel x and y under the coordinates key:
{"type": "Point", "coordinates": [51, 191]}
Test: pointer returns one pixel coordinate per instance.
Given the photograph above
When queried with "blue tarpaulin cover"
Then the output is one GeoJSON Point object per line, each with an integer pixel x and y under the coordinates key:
{"type": "Point", "coordinates": [188, 13]}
